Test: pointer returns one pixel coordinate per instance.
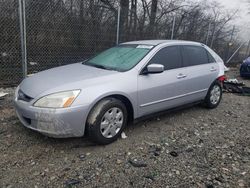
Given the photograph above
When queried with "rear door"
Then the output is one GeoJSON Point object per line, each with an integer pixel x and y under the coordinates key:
{"type": "Point", "coordinates": [200, 70]}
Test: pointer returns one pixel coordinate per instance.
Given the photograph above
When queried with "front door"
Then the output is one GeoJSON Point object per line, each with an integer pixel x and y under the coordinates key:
{"type": "Point", "coordinates": [161, 91]}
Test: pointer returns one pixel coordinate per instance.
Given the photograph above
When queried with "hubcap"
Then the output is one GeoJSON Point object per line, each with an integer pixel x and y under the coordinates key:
{"type": "Point", "coordinates": [111, 122]}
{"type": "Point", "coordinates": [215, 94]}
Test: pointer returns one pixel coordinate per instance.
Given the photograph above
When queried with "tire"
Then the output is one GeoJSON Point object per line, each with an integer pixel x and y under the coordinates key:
{"type": "Point", "coordinates": [214, 95]}
{"type": "Point", "coordinates": [106, 121]}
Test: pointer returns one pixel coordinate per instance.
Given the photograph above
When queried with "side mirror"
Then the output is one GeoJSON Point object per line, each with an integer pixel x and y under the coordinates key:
{"type": "Point", "coordinates": [154, 69]}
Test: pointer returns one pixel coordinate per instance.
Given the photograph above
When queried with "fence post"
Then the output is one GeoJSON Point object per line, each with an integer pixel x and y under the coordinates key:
{"type": "Point", "coordinates": [212, 40]}
{"type": "Point", "coordinates": [23, 35]}
{"type": "Point", "coordinates": [118, 25]}
{"type": "Point", "coordinates": [173, 26]}
{"type": "Point", "coordinates": [209, 27]}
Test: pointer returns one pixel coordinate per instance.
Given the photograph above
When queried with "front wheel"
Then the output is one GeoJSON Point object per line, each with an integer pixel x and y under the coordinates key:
{"type": "Point", "coordinates": [107, 121]}
{"type": "Point", "coordinates": [214, 95]}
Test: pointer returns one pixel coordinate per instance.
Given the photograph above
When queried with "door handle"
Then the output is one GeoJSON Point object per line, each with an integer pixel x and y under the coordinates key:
{"type": "Point", "coordinates": [213, 69]}
{"type": "Point", "coordinates": [180, 76]}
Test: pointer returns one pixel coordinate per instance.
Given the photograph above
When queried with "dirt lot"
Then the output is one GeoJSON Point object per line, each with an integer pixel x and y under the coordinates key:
{"type": "Point", "coordinates": [194, 147]}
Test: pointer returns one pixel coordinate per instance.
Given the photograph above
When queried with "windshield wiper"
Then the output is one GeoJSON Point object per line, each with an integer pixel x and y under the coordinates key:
{"type": "Point", "coordinates": [99, 66]}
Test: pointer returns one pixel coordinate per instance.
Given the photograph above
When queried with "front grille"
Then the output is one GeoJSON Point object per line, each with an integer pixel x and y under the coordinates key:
{"type": "Point", "coordinates": [23, 97]}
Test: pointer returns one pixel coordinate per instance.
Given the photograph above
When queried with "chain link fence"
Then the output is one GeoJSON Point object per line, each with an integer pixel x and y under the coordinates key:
{"type": "Point", "coordinates": [10, 52]}
{"type": "Point", "coordinates": [57, 33]}
{"type": "Point", "coordinates": [60, 32]}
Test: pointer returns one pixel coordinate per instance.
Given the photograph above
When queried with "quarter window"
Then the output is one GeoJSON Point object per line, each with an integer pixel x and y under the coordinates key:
{"type": "Point", "coordinates": [194, 55]}
{"type": "Point", "coordinates": [170, 57]}
{"type": "Point", "coordinates": [210, 58]}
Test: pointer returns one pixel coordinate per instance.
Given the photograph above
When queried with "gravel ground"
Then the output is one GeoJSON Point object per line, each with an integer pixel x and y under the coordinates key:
{"type": "Point", "coordinates": [194, 147]}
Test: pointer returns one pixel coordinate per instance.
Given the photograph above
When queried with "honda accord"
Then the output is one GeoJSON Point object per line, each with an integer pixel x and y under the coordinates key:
{"type": "Point", "coordinates": [131, 80]}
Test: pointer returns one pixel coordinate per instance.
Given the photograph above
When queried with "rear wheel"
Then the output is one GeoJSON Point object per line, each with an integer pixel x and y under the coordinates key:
{"type": "Point", "coordinates": [214, 95]}
{"type": "Point", "coordinates": [107, 121]}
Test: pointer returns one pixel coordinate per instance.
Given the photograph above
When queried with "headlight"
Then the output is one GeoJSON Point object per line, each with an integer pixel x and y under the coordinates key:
{"type": "Point", "coordinates": [57, 100]}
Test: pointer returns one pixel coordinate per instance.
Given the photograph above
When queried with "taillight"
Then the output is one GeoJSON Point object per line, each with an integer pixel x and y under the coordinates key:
{"type": "Point", "coordinates": [222, 78]}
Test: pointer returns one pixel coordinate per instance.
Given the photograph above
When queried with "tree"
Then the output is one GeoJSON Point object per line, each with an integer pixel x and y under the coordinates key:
{"type": "Point", "coordinates": [152, 17]}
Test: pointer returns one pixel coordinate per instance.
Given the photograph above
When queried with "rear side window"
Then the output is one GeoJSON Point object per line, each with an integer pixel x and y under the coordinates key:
{"type": "Point", "coordinates": [170, 57]}
{"type": "Point", "coordinates": [194, 55]}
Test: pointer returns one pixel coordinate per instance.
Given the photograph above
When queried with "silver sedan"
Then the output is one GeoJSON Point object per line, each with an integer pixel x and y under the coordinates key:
{"type": "Point", "coordinates": [134, 79]}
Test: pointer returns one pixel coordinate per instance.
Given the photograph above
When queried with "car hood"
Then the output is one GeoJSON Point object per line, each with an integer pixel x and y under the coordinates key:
{"type": "Point", "coordinates": [58, 77]}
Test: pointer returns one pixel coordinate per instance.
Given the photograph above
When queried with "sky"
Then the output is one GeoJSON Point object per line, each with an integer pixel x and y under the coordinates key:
{"type": "Point", "coordinates": [242, 22]}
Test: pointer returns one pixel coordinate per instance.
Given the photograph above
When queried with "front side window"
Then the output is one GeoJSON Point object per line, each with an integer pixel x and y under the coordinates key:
{"type": "Point", "coordinates": [120, 58]}
{"type": "Point", "coordinates": [194, 55]}
{"type": "Point", "coordinates": [170, 57]}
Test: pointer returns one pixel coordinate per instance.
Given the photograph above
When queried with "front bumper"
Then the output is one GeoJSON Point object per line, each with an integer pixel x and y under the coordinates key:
{"type": "Point", "coordinates": [58, 123]}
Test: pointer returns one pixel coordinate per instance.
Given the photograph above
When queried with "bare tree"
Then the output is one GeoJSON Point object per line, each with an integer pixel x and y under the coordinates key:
{"type": "Point", "coordinates": [152, 17]}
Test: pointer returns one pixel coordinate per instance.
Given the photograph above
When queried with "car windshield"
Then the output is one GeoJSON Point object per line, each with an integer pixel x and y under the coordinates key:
{"type": "Point", "coordinates": [120, 58]}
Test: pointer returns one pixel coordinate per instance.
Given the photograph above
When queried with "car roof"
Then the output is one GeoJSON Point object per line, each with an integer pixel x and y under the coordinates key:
{"type": "Point", "coordinates": [157, 42]}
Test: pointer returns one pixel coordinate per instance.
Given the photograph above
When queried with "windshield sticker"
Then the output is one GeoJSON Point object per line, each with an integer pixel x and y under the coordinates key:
{"type": "Point", "coordinates": [145, 46]}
